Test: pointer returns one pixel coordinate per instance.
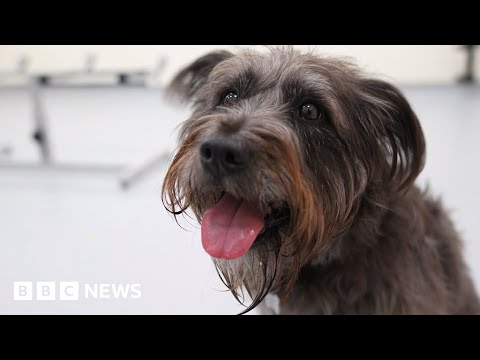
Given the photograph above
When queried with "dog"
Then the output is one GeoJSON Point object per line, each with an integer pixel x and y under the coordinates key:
{"type": "Point", "coordinates": [301, 170]}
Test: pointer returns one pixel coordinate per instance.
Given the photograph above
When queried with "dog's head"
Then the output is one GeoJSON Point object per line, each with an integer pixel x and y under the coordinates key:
{"type": "Point", "coordinates": [280, 155]}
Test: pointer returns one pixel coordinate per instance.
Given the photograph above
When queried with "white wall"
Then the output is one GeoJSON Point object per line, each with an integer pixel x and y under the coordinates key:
{"type": "Point", "coordinates": [407, 64]}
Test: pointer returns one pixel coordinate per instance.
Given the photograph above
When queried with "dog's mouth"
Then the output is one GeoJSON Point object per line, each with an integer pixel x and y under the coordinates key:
{"type": "Point", "coordinates": [231, 226]}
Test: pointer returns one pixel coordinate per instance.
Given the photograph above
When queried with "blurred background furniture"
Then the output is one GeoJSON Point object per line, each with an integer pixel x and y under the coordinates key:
{"type": "Point", "coordinates": [86, 77]}
{"type": "Point", "coordinates": [469, 76]}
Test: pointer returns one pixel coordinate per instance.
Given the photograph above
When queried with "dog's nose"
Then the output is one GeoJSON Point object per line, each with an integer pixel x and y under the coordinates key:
{"type": "Point", "coordinates": [223, 156]}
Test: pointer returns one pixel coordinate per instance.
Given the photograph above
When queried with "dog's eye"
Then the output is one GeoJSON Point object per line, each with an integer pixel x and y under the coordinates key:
{"type": "Point", "coordinates": [309, 111]}
{"type": "Point", "coordinates": [230, 97]}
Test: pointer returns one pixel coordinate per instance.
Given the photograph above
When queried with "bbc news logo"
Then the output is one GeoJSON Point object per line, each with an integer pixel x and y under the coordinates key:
{"type": "Point", "coordinates": [71, 291]}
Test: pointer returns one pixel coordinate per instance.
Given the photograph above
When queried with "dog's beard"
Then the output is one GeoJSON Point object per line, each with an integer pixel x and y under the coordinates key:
{"type": "Point", "coordinates": [292, 222]}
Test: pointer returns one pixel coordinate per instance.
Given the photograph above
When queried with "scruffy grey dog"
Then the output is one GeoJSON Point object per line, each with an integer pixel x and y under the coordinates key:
{"type": "Point", "coordinates": [301, 170]}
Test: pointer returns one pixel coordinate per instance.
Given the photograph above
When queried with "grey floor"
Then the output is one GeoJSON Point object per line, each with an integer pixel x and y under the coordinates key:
{"type": "Point", "coordinates": [83, 227]}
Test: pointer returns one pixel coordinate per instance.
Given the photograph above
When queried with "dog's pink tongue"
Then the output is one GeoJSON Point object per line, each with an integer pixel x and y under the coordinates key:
{"type": "Point", "coordinates": [230, 228]}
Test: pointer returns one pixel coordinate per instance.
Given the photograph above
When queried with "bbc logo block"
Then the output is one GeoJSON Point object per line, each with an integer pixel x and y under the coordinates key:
{"type": "Point", "coordinates": [45, 290]}
{"type": "Point", "coordinates": [68, 290]}
{"type": "Point", "coordinates": [22, 290]}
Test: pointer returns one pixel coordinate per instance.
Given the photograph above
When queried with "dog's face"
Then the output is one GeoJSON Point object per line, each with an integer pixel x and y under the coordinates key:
{"type": "Point", "coordinates": [282, 151]}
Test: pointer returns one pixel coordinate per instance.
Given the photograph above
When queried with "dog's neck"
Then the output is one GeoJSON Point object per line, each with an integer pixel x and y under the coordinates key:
{"type": "Point", "coordinates": [346, 248]}
{"type": "Point", "coordinates": [368, 222]}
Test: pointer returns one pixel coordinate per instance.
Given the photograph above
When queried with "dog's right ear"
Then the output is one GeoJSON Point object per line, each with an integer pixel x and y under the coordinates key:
{"type": "Point", "coordinates": [191, 78]}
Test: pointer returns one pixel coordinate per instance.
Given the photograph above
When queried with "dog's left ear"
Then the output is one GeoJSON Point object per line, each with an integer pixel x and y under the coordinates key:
{"type": "Point", "coordinates": [396, 131]}
{"type": "Point", "coordinates": [187, 81]}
